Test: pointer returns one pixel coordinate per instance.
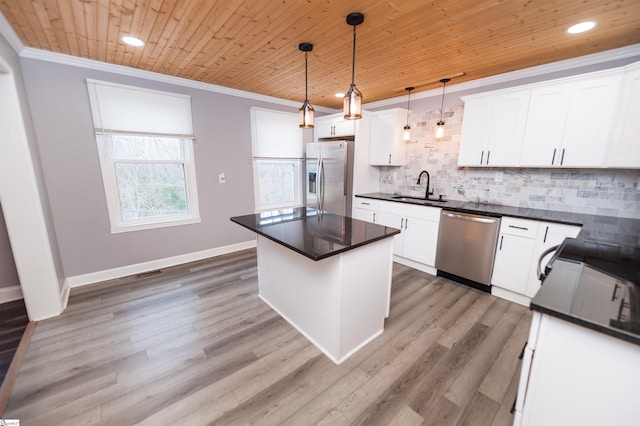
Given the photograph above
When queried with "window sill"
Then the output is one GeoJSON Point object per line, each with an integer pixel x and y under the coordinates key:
{"type": "Point", "coordinates": [143, 226]}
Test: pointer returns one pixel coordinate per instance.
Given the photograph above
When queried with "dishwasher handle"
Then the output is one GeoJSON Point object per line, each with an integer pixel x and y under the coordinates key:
{"type": "Point", "coordinates": [481, 219]}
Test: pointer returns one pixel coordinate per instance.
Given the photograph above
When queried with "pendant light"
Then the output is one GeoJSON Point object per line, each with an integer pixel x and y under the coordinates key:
{"type": "Point", "coordinates": [306, 110]}
{"type": "Point", "coordinates": [353, 98]}
{"type": "Point", "coordinates": [440, 124]}
{"type": "Point", "coordinates": [406, 135]}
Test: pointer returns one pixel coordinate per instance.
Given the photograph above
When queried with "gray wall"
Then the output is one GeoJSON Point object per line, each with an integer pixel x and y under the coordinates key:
{"type": "Point", "coordinates": [9, 55]}
{"type": "Point", "coordinates": [592, 191]}
{"type": "Point", "coordinates": [8, 272]}
{"type": "Point", "coordinates": [60, 107]}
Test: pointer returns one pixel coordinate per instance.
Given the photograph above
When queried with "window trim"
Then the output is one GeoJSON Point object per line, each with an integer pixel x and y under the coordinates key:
{"type": "Point", "coordinates": [112, 196]}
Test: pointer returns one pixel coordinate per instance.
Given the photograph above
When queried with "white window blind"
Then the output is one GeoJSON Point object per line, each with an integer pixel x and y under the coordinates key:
{"type": "Point", "coordinates": [118, 108]}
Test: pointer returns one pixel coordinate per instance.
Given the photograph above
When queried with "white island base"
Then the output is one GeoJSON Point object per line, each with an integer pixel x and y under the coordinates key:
{"type": "Point", "coordinates": [339, 303]}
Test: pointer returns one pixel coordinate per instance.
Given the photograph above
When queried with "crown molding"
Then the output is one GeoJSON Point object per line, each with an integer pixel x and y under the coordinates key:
{"type": "Point", "coordinates": [6, 30]}
{"type": "Point", "coordinates": [567, 64]}
{"type": "Point", "coordinates": [75, 61]}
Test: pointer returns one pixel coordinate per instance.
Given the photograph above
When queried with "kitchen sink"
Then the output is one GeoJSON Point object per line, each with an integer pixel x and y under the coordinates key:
{"type": "Point", "coordinates": [416, 199]}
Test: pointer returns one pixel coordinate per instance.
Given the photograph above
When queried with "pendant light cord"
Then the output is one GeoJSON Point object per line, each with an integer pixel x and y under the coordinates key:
{"type": "Point", "coordinates": [408, 100]}
{"type": "Point", "coordinates": [306, 93]}
{"type": "Point", "coordinates": [353, 61]}
{"type": "Point", "coordinates": [444, 83]}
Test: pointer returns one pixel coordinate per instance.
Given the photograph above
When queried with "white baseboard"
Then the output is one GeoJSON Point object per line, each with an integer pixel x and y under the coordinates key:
{"type": "Point", "coordinates": [415, 265]}
{"type": "Point", "coordinates": [124, 271]}
{"type": "Point", "coordinates": [9, 294]}
{"type": "Point", "coordinates": [510, 296]}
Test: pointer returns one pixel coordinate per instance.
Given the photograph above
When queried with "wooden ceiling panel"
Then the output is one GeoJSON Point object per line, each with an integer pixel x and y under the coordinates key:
{"type": "Point", "coordinates": [253, 45]}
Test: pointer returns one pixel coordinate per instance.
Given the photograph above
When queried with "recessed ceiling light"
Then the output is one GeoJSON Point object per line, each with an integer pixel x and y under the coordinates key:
{"type": "Point", "coordinates": [581, 27]}
{"type": "Point", "coordinates": [132, 41]}
{"type": "Point", "coordinates": [339, 95]}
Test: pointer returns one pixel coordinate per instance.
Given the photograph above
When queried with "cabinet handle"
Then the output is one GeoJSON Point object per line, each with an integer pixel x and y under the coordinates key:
{"type": "Point", "coordinates": [522, 351]}
{"type": "Point", "coordinates": [389, 158]}
{"type": "Point", "coordinates": [401, 222]}
{"type": "Point", "coordinates": [615, 292]}
{"type": "Point", "coordinates": [562, 158]}
{"type": "Point", "coordinates": [481, 156]}
{"type": "Point", "coordinates": [519, 227]}
{"type": "Point", "coordinates": [501, 238]}
{"type": "Point", "coordinates": [553, 159]}
{"type": "Point", "coordinates": [488, 154]}
{"type": "Point", "coordinates": [406, 222]}
{"type": "Point", "coordinates": [365, 204]}
{"type": "Point", "coordinates": [546, 231]}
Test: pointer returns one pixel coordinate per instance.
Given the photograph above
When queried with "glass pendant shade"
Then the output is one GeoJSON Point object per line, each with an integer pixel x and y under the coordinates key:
{"type": "Point", "coordinates": [353, 104]}
{"type": "Point", "coordinates": [306, 115]}
{"type": "Point", "coordinates": [440, 129]}
{"type": "Point", "coordinates": [406, 134]}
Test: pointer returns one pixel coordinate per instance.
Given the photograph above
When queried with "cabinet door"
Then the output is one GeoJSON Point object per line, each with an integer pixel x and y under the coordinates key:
{"type": "Point", "coordinates": [395, 221]}
{"type": "Point", "coordinates": [387, 146]}
{"type": "Point", "coordinates": [475, 132]}
{"type": "Point", "coordinates": [549, 235]}
{"type": "Point", "coordinates": [513, 262]}
{"type": "Point", "coordinates": [420, 240]}
{"type": "Point", "coordinates": [342, 127]}
{"type": "Point", "coordinates": [323, 127]}
{"type": "Point", "coordinates": [544, 129]}
{"type": "Point", "coordinates": [589, 122]}
{"type": "Point", "coordinates": [625, 149]}
{"type": "Point", "coordinates": [507, 128]}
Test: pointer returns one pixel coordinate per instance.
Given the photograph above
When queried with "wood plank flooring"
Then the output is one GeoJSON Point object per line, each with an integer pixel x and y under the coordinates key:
{"type": "Point", "coordinates": [195, 345]}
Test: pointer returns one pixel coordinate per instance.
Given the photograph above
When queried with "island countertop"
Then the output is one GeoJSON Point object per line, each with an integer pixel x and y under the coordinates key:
{"type": "Point", "coordinates": [312, 233]}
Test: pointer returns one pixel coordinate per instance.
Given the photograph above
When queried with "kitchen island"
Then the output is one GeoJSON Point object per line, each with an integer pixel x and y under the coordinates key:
{"type": "Point", "coordinates": [328, 275]}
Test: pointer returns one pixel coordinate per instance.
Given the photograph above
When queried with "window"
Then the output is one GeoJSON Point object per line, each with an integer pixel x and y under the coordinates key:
{"type": "Point", "coordinates": [277, 159]}
{"type": "Point", "coordinates": [145, 144]}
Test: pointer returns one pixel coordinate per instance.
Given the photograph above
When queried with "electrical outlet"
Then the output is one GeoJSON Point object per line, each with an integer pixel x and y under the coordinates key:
{"type": "Point", "coordinates": [222, 178]}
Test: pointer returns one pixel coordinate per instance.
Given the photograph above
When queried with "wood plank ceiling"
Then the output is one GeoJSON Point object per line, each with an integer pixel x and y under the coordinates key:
{"type": "Point", "coordinates": [253, 44]}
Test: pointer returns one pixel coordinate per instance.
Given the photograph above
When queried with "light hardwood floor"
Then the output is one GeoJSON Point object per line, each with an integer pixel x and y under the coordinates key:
{"type": "Point", "coordinates": [195, 345]}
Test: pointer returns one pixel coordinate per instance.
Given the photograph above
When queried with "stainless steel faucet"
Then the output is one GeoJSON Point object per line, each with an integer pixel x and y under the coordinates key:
{"type": "Point", "coordinates": [426, 195]}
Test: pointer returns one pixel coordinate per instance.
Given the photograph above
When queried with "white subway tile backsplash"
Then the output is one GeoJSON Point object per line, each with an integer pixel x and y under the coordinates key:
{"type": "Point", "coordinates": [591, 191]}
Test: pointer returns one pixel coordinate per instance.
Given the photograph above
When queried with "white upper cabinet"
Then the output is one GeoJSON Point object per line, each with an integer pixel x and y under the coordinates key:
{"type": "Point", "coordinates": [625, 145]}
{"type": "Point", "coordinates": [492, 129]}
{"type": "Point", "coordinates": [387, 146]}
{"type": "Point", "coordinates": [331, 126]}
{"type": "Point", "coordinates": [569, 124]}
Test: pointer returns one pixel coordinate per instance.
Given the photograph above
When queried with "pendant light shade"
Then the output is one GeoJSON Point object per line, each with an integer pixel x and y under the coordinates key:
{"type": "Point", "coordinates": [353, 98]}
{"type": "Point", "coordinates": [306, 110]}
{"type": "Point", "coordinates": [406, 134]}
{"type": "Point", "coordinates": [440, 124]}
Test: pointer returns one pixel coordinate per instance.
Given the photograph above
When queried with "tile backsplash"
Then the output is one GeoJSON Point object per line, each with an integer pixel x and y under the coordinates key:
{"type": "Point", "coordinates": [592, 191]}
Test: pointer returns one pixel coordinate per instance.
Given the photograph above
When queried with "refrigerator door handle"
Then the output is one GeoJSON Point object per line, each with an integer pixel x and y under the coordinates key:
{"type": "Point", "coordinates": [322, 184]}
{"type": "Point", "coordinates": [318, 183]}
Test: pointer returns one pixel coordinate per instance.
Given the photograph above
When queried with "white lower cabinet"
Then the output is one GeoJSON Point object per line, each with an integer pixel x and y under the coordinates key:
{"type": "Point", "coordinates": [520, 244]}
{"type": "Point", "coordinates": [572, 375]}
{"type": "Point", "coordinates": [417, 242]}
{"type": "Point", "coordinates": [365, 209]}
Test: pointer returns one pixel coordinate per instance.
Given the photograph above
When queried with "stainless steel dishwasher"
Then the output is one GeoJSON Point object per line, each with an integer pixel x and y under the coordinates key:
{"type": "Point", "coordinates": [466, 248]}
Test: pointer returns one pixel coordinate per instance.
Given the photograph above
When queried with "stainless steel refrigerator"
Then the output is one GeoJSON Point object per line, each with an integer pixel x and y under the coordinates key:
{"type": "Point", "coordinates": [329, 176]}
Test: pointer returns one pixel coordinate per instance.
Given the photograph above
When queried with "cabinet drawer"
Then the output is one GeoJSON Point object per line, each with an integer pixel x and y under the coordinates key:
{"type": "Point", "coordinates": [366, 203]}
{"type": "Point", "coordinates": [519, 227]}
{"type": "Point", "coordinates": [432, 214]}
{"type": "Point", "coordinates": [392, 207]}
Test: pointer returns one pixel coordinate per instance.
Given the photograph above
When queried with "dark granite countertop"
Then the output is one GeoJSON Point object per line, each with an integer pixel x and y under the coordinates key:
{"type": "Point", "coordinates": [312, 233]}
{"type": "Point", "coordinates": [594, 279]}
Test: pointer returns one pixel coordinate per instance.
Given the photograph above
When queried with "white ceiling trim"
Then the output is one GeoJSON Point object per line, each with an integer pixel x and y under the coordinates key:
{"type": "Point", "coordinates": [60, 58]}
{"type": "Point", "coordinates": [10, 35]}
{"type": "Point", "coordinates": [567, 64]}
